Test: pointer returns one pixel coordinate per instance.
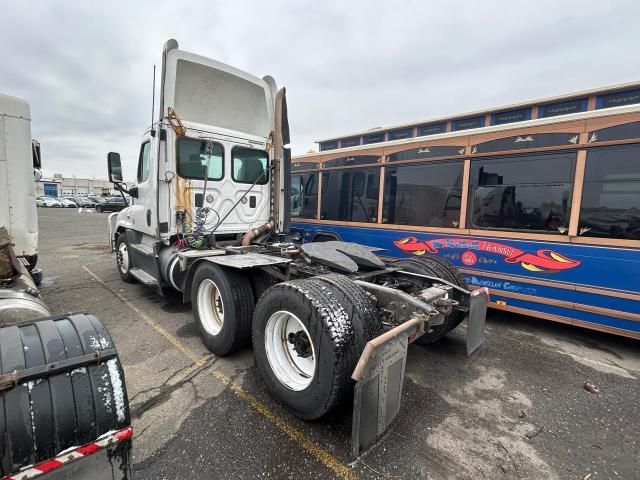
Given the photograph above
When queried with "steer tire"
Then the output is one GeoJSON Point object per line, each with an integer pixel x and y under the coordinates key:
{"type": "Point", "coordinates": [330, 333]}
{"type": "Point", "coordinates": [435, 266]}
{"type": "Point", "coordinates": [226, 330]}
{"type": "Point", "coordinates": [99, 209]}
{"type": "Point", "coordinates": [359, 305]}
{"type": "Point", "coordinates": [124, 268]}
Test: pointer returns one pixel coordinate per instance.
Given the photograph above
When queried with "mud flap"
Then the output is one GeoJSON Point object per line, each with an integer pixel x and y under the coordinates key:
{"type": "Point", "coordinates": [379, 374]}
{"type": "Point", "coordinates": [377, 394]}
{"type": "Point", "coordinates": [476, 319]}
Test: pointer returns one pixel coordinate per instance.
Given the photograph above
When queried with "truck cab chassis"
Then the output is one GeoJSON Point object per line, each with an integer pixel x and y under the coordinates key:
{"type": "Point", "coordinates": [210, 219]}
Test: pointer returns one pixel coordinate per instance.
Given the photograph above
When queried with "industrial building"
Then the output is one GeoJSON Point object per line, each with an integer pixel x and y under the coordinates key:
{"type": "Point", "coordinates": [60, 186]}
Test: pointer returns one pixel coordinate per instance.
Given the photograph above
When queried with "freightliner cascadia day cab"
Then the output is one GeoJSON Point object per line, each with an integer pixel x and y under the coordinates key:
{"type": "Point", "coordinates": [64, 411]}
{"type": "Point", "coordinates": [210, 218]}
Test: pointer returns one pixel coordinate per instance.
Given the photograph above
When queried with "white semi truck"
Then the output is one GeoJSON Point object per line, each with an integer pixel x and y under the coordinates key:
{"type": "Point", "coordinates": [210, 218]}
{"type": "Point", "coordinates": [64, 411]}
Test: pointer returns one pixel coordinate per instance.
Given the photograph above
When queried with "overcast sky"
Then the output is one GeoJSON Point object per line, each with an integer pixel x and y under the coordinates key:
{"type": "Point", "coordinates": [86, 67]}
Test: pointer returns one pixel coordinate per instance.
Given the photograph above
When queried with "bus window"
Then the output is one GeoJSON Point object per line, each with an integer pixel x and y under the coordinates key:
{"type": "Point", "coordinates": [523, 192]}
{"type": "Point", "coordinates": [425, 194]}
{"type": "Point", "coordinates": [304, 195]}
{"type": "Point", "coordinates": [350, 195]}
{"type": "Point", "coordinates": [611, 194]}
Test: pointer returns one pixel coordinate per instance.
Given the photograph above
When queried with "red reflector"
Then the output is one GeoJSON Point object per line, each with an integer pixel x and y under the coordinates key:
{"type": "Point", "coordinates": [88, 449]}
{"type": "Point", "coordinates": [125, 434]}
{"type": "Point", "coordinates": [49, 465]}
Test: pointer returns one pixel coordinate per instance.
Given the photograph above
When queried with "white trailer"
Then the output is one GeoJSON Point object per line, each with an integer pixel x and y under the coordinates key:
{"type": "Point", "coordinates": [17, 192]}
{"type": "Point", "coordinates": [19, 156]}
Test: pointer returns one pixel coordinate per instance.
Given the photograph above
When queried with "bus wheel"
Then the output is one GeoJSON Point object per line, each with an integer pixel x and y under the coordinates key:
{"type": "Point", "coordinates": [222, 303]}
{"type": "Point", "coordinates": [435, 266]}
{"type": "Point", "coordinates": [304, 345]}
{"type": "Point", "coordinates": [123, 259]}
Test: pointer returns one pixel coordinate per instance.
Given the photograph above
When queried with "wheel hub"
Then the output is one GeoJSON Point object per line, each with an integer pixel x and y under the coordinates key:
{"type": "Point", "coordinates": [290, 351]}
{"type": "Point", "coordinates": [122, 258]}
{"type": "Point", "coordinates": [301, 343]}
{"type": "Point", "coordinates": [210, 307]}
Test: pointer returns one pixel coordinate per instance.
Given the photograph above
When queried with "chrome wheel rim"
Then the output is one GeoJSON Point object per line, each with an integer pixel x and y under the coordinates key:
{"type": "Point", "coordinates": [290, 350]}
{"type": "Point", "coordinates": [210, 307]}
{"type": "Point", "coordinates": [123, 258]}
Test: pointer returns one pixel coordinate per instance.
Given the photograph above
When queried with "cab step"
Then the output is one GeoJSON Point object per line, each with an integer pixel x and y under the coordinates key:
{"type": "Point", "coordinates": [144, 278]}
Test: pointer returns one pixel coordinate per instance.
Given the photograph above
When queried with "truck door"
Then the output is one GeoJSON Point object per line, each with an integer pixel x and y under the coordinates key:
{"type": "Point", "coordinates": [143, 210]}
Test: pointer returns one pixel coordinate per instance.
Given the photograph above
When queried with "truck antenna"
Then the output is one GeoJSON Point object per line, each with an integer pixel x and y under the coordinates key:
{"type": "Point", "coordinates": [153, 95]}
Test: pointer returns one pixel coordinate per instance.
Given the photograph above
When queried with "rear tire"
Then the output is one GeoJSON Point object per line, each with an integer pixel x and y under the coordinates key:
{"type": "Point", "coordinates": [360, 307]}
{"type": "Point", "coordinates": [222, 303]}
{"type": "Point", "coordinates": [260, 282]}
{"type": "Point", "coordinates": [304, 345]}
{"type": "Point", "coordinates": [99, 209]}
{"type": "Point", "coordinates": [435, 266]}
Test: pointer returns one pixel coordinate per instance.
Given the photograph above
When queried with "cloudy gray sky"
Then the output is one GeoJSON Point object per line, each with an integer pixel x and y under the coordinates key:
{"type": "Point", "coordinates": [86, 67]}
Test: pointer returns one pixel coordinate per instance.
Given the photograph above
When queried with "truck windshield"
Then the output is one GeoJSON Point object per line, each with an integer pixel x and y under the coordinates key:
{"type": "Point", "coordinates": [195, 156]}
{"type": "Point", "coordinates": [249, 165]}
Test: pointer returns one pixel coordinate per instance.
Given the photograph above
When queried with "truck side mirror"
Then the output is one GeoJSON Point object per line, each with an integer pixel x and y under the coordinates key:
{"type": "Point", "coordinates": [115, 167]}
{"type": "Point", "coordinates": [35, 152]}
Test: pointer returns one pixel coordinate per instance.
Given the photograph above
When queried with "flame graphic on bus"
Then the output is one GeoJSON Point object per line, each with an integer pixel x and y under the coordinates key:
{"type": "Point", "coordinates": [544, 261]}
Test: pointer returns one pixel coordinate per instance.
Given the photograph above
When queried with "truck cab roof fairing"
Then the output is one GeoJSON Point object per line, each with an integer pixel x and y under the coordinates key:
{"type": "Point", "coordinates": [207, 92]}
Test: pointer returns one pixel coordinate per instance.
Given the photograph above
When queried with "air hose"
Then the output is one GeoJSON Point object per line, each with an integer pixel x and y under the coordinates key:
{"type": "Point", "coordinates": [196, 239]}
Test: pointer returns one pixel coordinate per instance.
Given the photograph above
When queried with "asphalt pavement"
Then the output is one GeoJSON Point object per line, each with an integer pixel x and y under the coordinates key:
{"type": "Point", "coordinates": [517, 409]}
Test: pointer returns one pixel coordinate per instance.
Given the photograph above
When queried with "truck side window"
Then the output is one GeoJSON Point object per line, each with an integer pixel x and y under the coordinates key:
{"type": "Point", "coordinates": [144, 162]}
{"type": "Point", "coordinates": [196, 156]}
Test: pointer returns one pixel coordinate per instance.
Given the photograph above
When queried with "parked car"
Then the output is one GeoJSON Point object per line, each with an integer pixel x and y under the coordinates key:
{"type": "Point", "coordinates": [67, 202]}
{"type": "Point", "coordinates": [84, 202]}
{"type": "Point", "coordinates": [51, 202]}
{"type": "Point", "coordinates": [111, 204]}
{"type": "Point", "coordinates": [97, 199]}
{"type": "Point", "coordinates": [39, 202]}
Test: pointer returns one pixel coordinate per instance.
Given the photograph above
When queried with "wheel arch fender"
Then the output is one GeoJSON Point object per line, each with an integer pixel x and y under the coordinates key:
{"type": "Point", "coordinates": [326, 234]}
{"type": "Point", "coordinates": [188, 279]}
{"type": "Point", "coordinates": [114, 230]}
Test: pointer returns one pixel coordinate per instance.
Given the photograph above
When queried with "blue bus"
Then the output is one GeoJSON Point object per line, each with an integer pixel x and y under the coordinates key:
{"type": "Point", "coordinates": [539, 202]}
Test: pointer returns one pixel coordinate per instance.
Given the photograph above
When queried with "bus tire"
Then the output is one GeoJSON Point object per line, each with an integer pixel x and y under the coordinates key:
{"type": "Point", "coordinates": [123, 259]}
{"type": "Point", "coordinates": [435, 266]}
{"type": "Point", "coordinates": [260, 282]}
{"type": "Point", "coordinates": [358, 304]}
{"type": "Point", "coordinates": [222, 303]}
{"type": "Point", "coordinates": [310, 373]}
